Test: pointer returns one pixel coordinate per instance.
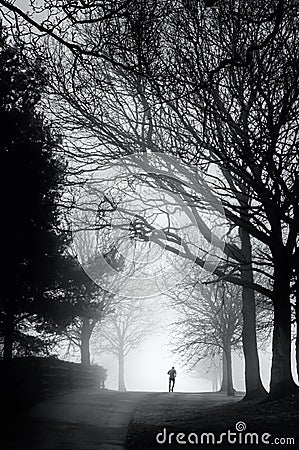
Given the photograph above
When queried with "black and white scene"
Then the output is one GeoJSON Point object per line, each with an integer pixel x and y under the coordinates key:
{"type": "Point", "coordinates": [149, 155]}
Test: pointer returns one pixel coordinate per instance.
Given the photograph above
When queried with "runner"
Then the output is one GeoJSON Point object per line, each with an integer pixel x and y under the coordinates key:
{"type": "Point", "coordinates": [172, 375]}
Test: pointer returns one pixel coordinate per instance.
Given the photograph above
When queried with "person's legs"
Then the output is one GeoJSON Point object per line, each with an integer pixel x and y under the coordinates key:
{"type": "Point", "coordinates": [173, 381]}
{"type": "Point", "coordinates": [169, 388]}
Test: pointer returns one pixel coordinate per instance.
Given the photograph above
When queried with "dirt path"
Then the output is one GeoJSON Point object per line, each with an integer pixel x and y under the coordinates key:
{"type": "Point", "coordinates": [85, 420]}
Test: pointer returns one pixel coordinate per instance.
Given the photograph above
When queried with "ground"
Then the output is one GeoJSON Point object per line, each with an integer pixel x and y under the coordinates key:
{"type": "Point", "coordinates": [212, 413]}
{"type": "Point", "coordinates": [81, 420]}
{"type": "Point", "coordinates": [109, 420]}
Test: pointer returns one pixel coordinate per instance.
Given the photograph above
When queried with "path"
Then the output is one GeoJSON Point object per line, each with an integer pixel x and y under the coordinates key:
{"type": "Point", "coordinates": [98, 420]}
{"type": "Point", "coordinates": [85, 420]}
{"type": "Point", "coordinates": [167, 415]}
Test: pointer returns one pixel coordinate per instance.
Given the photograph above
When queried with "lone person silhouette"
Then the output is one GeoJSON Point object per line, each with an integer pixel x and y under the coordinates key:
{"type": "Point", "coordinates": [172, 375]}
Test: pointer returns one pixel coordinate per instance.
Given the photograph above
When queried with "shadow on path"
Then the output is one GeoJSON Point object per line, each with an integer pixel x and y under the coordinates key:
{"type": "Point", "coordinates": [84, 420]}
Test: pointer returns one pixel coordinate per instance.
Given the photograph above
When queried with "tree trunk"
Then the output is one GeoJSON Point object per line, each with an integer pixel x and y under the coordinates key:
{"type": "Point", "coordinates": [121, 370]}
{"type": "Point", "coordinates": [297, 331]}
{"type": "Point", "coordinates": [215, 382]}
{"type": "Point", "coordinates": [281, 374]}
{"type": "Point", "coordinates": [253, 382]}
{"type": "Point", "coordinates": [224, 383]}
{"type": "Point", "coordinates": [9, 334]}
{"type": "Point", "coordinates": [85, 338]}
{"type": "Point", "coordinates": [297, 309]}
{"type": "Point", "coordinates": [228, 357]}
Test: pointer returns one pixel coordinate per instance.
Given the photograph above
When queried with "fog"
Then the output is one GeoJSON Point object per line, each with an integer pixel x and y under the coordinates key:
{"type": "Point", "coordinates": [146, 370]}
{"type": "Point", "coordinates": [146, 367]}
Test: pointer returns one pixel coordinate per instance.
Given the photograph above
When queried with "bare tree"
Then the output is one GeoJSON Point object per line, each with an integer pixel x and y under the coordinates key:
{"type": "Point", "coordinates": [246, 120]}
{"type": "Point", "coordinates": [124, 331]}
{"type": "Point", "coordinates": [79, 333]}
{"type": "Point", "coordinates": [210, 323]}
{"type": "Point", "coordinates": [212, 369]}
{"type": "Point", "coordinates": [97, 302]}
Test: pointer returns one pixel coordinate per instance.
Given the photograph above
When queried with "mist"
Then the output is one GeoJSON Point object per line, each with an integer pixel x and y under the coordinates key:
{"type": "Point", "coordinates": [146, 367]}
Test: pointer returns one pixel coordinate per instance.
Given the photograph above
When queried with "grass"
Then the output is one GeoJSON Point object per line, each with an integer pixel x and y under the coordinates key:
{"type": "Point", "coordinates": [214, 413]}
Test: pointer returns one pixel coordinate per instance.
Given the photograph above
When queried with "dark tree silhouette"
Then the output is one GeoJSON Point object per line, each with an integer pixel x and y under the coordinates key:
{"type": "Point", "coordinates": [40, 282]}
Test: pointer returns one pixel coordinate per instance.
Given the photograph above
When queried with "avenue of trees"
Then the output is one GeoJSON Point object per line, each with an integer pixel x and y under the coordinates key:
{"type": "Point", "coordinates": [213, 84]}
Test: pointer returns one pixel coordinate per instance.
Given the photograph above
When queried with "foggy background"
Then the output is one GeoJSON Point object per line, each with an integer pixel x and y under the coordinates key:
{"type": "Point", "coordinates": [146, 367]}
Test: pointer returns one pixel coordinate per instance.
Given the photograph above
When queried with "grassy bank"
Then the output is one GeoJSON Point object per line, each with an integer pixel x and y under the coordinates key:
{"type": "Point", "coordinates": [213, 413]}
